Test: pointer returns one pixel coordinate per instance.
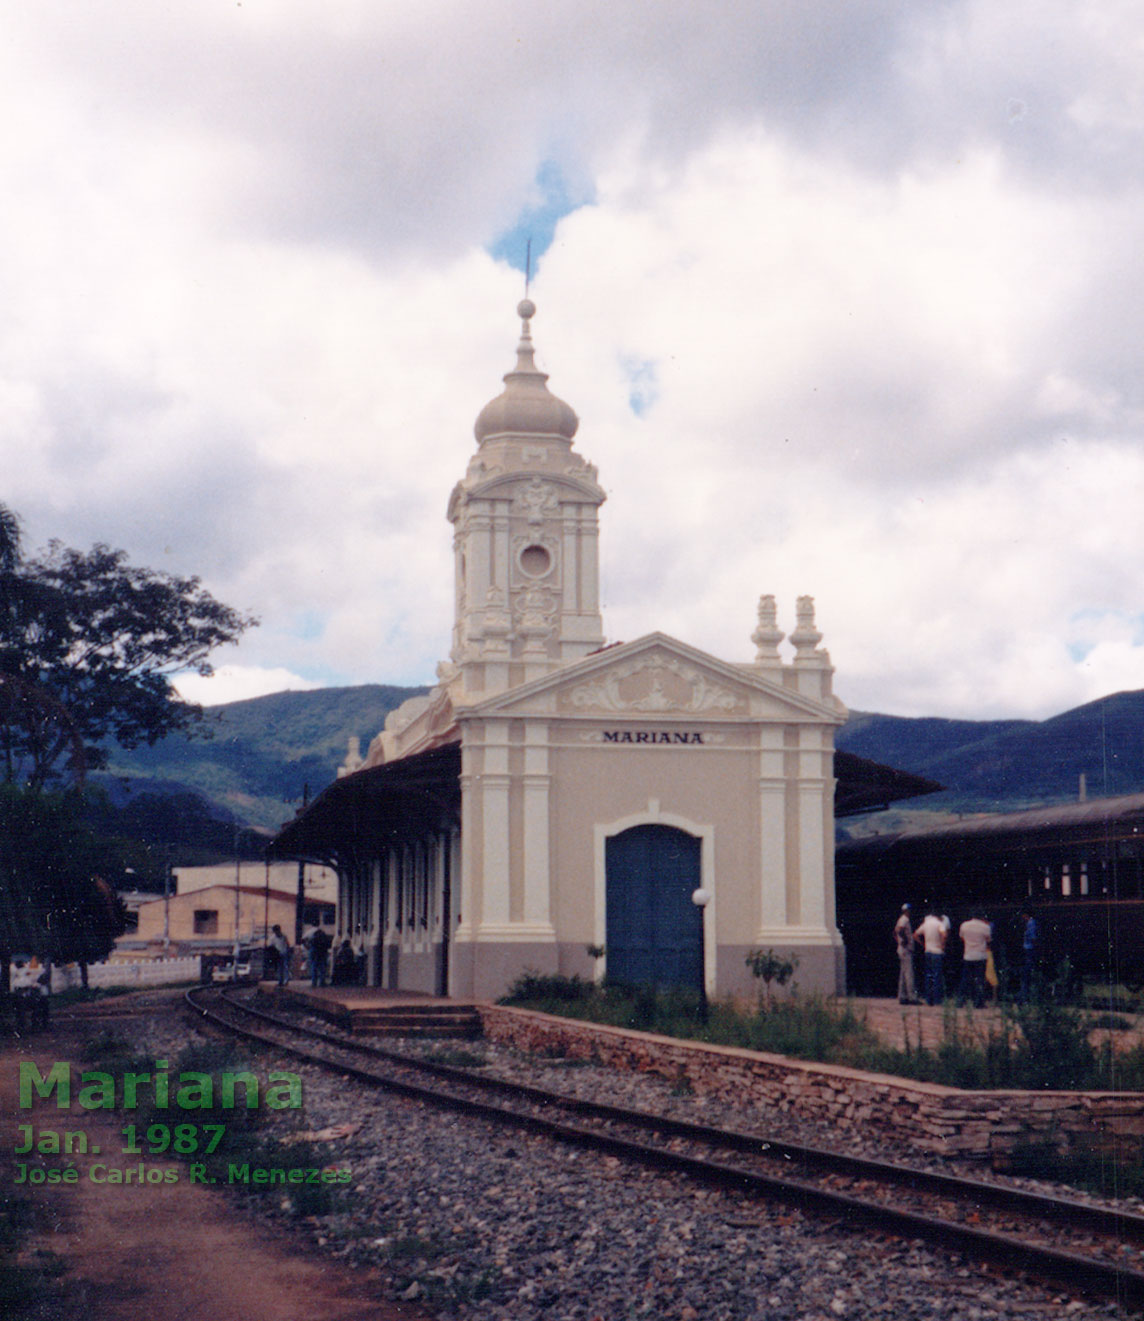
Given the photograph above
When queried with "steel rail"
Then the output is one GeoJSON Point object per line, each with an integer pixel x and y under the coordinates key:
{"type": "Point", "coordinates": [1077, 1214]}
{"type": "Point", "coordinates": [1079, 1273]}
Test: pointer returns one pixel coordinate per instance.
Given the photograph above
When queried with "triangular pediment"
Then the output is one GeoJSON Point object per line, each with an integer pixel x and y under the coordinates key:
{"type": "Point", "coordinates": [658, 677]}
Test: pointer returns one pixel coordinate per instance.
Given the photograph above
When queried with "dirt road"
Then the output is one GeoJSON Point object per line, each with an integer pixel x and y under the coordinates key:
{"type": "Point", "coordinates": [176, 1250]}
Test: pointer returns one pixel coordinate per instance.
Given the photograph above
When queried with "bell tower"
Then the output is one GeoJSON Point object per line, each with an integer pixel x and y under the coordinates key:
{"type": "Point", "coordinates": [526, 531]}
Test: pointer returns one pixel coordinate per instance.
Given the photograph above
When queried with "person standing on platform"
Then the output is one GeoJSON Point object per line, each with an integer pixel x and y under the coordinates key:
{"type": "Point", "coordinates": [320, 943]}
{"type": "Point", "coordinates": [345, 965]}
{"type": "Point", "coordinates": [904, 937]}
{"type": "Point", "coordinates": [23, 987]}
{"type": "Point", "coordinates": [976, 935]}
{"type": "Point", "coordinates": [932, 934]}
{"type": "Point", "coordinates": [281, 947]}
{"type": "Point", "coordinates": [1030, 939]}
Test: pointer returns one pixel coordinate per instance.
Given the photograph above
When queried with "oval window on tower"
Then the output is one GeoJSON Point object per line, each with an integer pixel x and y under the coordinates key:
{"type": "Point", "coordinates": [535, 561]}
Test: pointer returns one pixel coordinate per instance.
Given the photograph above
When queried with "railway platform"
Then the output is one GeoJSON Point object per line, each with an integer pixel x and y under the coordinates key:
{"type": "Point", "coordinates": [379, 1012]}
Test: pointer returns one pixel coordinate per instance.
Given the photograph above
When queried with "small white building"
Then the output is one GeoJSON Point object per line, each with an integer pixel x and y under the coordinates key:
{"type": "Point", "coordinates": [554, 803]}
{"type": "Point", "coordinates": [319, 884]}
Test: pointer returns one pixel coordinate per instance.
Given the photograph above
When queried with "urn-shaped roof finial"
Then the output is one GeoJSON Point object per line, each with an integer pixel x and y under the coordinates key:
{"type": "Point", "coordinates": [526, 406]}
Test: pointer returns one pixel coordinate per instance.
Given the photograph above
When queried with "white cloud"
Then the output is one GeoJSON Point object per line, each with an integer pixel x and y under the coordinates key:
{"type": "Point", "coordinates": [238, 683]}
{"type": "Point", "coordinates": [892, 326]}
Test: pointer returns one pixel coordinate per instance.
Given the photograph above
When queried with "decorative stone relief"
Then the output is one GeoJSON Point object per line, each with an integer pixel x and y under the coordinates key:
{"type": "Point", "coordinates": [400, 719]}
{"type": "Point", "coordinates": [535, 608]}
{"type": "Point", "coordinates": [577, 466]}
{"type": "Point", "coordinates": [480, 468]}
{"type": "Point", "coordinates": [694, 693]}
{"type": "Point", "coordinates": [537, 501]}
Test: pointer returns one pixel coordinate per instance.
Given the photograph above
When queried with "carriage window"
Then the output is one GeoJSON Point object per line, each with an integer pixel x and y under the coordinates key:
{"type": "Point", "coordinates": [1066, 881]}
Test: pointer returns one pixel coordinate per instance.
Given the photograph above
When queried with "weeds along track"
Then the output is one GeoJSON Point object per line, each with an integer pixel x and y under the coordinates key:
{"type": "Point", "coordinates": [1092, 1250]}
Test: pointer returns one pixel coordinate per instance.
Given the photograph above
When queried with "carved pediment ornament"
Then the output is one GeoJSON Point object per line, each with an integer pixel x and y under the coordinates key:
{"type": "Point", "coordinates": [537, 501]}
{"type": "Point", "coordinates": [604, 693]}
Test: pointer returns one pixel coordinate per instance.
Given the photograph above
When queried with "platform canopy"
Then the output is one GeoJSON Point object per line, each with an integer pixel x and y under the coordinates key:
{"type": "Point", "coordinates": [868, 786]}
{"type": "Point", "coordinates": [357, 814]}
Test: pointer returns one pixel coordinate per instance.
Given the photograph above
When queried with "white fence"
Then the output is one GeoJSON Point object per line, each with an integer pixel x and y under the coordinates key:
{"type": "Point", "coordinates": [147, 972]}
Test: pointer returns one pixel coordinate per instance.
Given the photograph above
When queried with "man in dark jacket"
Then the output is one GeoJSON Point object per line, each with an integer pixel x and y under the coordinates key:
{"type": "Point", "coordinates": [320, 943]}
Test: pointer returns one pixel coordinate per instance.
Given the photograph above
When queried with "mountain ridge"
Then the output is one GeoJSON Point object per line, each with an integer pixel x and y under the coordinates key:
{"type": "Point", "coordinates": [268, 754]}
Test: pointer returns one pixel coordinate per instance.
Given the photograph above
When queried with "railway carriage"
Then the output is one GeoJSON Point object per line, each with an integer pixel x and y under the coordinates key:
{"type": "Point", "coordinates": [1079, 867]}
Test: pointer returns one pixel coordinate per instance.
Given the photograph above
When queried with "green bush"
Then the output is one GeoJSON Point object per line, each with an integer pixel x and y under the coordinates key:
{"type": "Point", "coordinates": [531, 986]}
{"type": "Point", "coordinates": [1042, 1045]}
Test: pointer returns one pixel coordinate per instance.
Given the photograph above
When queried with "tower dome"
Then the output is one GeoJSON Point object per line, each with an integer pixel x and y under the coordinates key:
{"type": "Point", "coordinates": [526, 406]}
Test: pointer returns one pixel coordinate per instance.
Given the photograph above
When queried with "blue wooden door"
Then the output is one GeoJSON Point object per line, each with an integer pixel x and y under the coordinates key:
{"type": "Point", "coordinates": [654, 931]}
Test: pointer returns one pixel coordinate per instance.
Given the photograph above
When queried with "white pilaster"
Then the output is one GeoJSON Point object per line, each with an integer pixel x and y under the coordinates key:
{"type": "Point", "coordinates": [494, 784]}
{"type": "Point", "coordinates": [536, 788]}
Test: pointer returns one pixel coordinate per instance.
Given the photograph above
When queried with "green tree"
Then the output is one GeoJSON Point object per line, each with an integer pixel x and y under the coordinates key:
{"type": "Point", "coordinates": [52, 900]}
{"type": "Point", "coordinates": [88, 647]}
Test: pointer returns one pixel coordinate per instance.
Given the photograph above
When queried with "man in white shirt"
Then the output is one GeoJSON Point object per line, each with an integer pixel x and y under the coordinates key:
{"type": "Point", "coordinates": [932, 934]}
{"type": "Point", "coordinates": [976, 935]}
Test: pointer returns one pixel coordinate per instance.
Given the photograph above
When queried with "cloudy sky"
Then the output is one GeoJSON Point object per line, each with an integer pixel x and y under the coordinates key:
{"type": "Point", "coordinates": [848, 298]}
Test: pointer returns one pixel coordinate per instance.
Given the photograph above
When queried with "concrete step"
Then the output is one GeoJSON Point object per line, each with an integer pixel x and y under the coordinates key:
{"type": "Point", "coordinates": [416, 1020]}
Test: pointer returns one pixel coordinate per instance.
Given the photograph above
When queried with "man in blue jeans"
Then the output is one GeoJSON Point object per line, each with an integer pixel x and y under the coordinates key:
{"type": "Point", "coordinates": [932, 934]}
{"type": "Point", "coordinates": [1029, 940]}
{"type": "Point", "coordinates": [320, 943]}
{"type": "Point", "coordinates": [281, 947]}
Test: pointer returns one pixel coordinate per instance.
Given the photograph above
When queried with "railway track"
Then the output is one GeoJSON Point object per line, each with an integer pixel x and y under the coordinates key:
{"type": "Point", "coordinates": [1091, 1250]}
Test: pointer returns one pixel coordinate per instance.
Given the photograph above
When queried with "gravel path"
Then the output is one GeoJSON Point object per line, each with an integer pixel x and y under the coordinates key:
{"type": "Point", "coordinates": [491, 1225]}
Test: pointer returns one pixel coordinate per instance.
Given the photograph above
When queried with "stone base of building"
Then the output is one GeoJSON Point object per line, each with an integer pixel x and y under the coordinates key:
{"type": "Point", "coordinates": [485, 970]}
{"type": "Point", "coordinates": [820, 969]}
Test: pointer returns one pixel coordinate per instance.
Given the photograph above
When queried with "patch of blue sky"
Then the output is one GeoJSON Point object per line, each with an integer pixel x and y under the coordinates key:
{"type": "Point", "coordinates": [643, 383]}
{"type": "Point", "coordinates": [550, 200]}
{"type": "Point", "coordinates": [1092, 625]}
{"type": "Point", "coordinates": [309, 625]}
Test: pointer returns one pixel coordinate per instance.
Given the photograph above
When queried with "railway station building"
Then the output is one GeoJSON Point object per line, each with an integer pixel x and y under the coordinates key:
{"type": "Point", "coordinates": [555, 803]}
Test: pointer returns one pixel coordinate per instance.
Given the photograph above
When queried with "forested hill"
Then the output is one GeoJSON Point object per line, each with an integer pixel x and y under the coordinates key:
{"type": "Point", "coordinates": [259, 757]}
{"type": "Point", "coordinates": [266, 752]}
{"type": "Point", "coordinates": [1001, 765]}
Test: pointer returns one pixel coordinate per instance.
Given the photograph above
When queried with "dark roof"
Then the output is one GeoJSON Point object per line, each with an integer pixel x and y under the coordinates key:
{"type": "Point", "coordinates": [1098, 820]}
{"type": "Point", "coordinates": [359, 814]}
{"type": "Point", "coordinates": [1090, 812]}
{"type": "Point", "coordinates": [868, 786]}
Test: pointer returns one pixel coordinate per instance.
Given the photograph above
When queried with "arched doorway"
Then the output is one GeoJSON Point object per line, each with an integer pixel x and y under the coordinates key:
{"type": "Point", "coordinates": [654, 931]}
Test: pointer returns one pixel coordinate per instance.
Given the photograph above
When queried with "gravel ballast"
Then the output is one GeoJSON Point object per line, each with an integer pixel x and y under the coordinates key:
{"type": "Point", "coordinates": [482, 1223]}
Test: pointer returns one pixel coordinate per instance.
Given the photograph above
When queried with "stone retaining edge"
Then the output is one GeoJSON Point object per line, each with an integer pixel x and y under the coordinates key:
{"type": "Point", "coordinates": [943, 1121]}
